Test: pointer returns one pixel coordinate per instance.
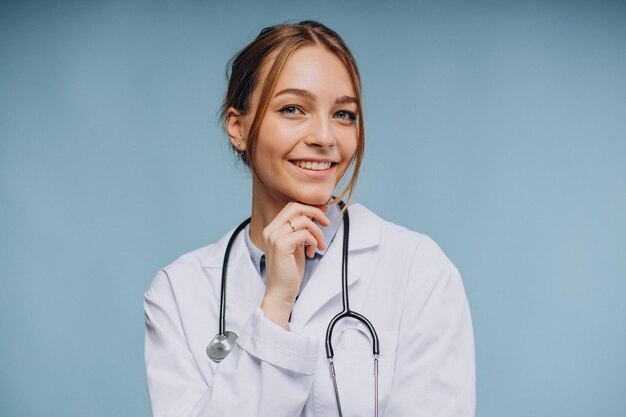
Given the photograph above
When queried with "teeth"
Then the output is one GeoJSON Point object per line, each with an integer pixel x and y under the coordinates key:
{"type": "Point", "coordinates": [314, 166]}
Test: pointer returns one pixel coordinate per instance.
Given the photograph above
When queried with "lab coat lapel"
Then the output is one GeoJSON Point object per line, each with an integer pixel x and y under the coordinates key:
{"type": "Point", "coordinates": [244, 283]}
{"type": "Point", "coordinates": [244, 287]}
{"type": "Point", "coordinates": [325, 283]}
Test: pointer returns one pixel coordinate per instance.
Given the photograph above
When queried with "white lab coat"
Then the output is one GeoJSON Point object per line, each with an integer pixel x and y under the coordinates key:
{"type": "Point", "coordinates": [400, 280]}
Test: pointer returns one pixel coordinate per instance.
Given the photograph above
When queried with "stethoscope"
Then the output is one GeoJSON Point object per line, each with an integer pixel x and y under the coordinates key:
{"type": "Point", "coordinates": [223, 342]}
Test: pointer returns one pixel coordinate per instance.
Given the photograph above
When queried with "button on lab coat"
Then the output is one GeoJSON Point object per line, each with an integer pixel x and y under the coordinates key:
{"type": "Point", "coordinates": [400, 280]}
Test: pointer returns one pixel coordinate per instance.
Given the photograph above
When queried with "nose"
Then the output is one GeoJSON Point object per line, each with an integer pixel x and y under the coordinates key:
{"type": "Point", "coordinates": [321, 133]}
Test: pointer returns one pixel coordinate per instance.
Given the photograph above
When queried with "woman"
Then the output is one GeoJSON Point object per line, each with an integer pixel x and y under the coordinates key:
{"type": "Point", "coordinates": [293, 114]}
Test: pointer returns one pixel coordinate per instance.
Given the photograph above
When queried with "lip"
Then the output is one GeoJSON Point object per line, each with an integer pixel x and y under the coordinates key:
{"type": "Point", "coordinates": [312, 160]}
{"type": "Point", "coordinates": [309, 173]}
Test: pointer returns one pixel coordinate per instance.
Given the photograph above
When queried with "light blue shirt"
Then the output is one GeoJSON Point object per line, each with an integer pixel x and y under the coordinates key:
{"type": "Point", "coordinates": [258, 257]}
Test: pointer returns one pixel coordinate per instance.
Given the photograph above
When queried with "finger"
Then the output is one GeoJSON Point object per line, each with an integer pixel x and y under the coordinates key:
{"type": "Point", "coordinates": [310, 251]}
{"type": "Point", "coordinates": [323, 207]}
{"type": "Point", "coordinates": [304, 222]}
{"type": "Point", "coordinates": [293, 210]}
{"type": "Point", "coordinates": [284, 238]}
{"type": "Point", "coordinates": [297, 239]}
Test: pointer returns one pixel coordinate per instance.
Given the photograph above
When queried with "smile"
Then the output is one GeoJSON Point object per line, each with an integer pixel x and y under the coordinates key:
{"type": "Point", "coordinates": [313, 166]}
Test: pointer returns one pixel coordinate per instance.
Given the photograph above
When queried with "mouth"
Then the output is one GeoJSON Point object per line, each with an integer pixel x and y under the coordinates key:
{"type": "Point", "coordinates": [314, 165]}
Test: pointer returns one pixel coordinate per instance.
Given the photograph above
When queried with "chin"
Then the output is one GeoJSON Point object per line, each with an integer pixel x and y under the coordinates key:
{"type": "Point", "coordinates": [313, 199]}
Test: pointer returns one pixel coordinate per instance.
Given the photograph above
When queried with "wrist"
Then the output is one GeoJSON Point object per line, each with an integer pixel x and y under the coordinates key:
{"type": "Point", "coordinates": [277, 308]}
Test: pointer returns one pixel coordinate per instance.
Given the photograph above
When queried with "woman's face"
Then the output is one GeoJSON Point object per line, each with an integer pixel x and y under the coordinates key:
{"type": "Point", "coordinates": [308, 135]}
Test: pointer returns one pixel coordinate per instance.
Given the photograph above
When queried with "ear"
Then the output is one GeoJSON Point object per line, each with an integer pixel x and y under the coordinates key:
{"type": "Point", "coordinates": [236, 129]}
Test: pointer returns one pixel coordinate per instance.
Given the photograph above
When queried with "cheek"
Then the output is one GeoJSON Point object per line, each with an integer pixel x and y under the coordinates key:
{"type": "Point", "coordinates": [275, 137]}
{"type": "Point", "coordinates": [347, 152]}
{"type": "Point", "coordinates": [350, 145]}
{"type": "Point", "coordinates": [268, 141]}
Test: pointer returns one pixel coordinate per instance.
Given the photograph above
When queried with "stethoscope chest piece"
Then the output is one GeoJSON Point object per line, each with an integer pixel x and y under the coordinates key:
{"type": "Point", "coordinates": [221, 345]}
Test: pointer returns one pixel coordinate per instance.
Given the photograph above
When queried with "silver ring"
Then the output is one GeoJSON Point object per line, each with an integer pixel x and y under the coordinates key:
{"type": "Point", "coordinates": [292, 228]}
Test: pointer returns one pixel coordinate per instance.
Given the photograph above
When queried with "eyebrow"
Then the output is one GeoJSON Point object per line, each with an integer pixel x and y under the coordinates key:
{"type": "Point", "coordinates": [310, 96]}
{"type": "Point", "coordinates": [346, 100]}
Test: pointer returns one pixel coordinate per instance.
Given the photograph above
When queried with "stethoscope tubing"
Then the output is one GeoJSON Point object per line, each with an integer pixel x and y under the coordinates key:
{"type": "Point", "coordinates": [346, 312]}
{"type": "Point", "coordinates": [222, 322]}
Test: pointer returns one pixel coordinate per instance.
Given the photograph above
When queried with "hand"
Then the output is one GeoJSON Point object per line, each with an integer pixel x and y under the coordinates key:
{"type": "Point", "coordinates": [284, 239]}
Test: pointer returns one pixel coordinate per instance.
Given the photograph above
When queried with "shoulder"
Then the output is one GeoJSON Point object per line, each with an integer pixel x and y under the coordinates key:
{"type": "Point", "coordinates": [190, 266]}
{"type": "Point", "coordinates": [391, 235]}
{"type": "Point", "coordinates": [407, 253]}
{"type": "Point", "coordinates": [407, 262]}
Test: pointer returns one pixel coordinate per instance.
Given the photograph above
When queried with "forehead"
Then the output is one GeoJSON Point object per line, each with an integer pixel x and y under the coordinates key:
{"type": "Point", "coordinates": [313, 68]}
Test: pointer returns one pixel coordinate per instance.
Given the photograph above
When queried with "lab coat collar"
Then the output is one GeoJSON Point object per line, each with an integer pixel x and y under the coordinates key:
{"type": "Point", "coordinates": [325, 283]}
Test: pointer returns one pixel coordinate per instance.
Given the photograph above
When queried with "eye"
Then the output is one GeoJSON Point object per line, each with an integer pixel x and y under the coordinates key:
{"type": "Point", "coordinates": [345, 115]}
{"type": "Point", "coordinates": [290, 110]}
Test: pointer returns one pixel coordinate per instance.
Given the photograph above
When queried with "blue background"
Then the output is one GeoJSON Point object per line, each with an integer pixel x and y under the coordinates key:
{"type": "Point", "coordinates": [498, 128]}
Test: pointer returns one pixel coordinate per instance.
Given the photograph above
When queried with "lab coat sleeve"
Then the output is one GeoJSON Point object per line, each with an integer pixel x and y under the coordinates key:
{"type": "Point", "coordinates": [435, 364]}
{"type": "Point", "coordinates": [268, 373]}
